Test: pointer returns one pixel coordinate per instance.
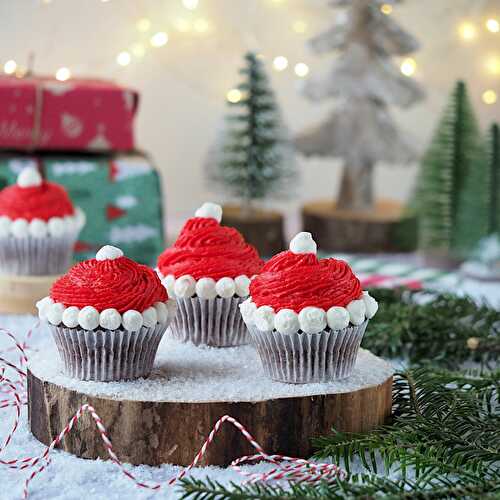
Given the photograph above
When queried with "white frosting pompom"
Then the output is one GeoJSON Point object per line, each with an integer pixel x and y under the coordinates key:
{"type": "Point", "coordinates": [242, 285]}
{"type": "Point", "coordinates": [56, 227]}
{"type": "Point", "coordinates": [371, 305]}
{"type": "Point", "coordinates": [286, 321]}
{"type": "Point", "coordinates": [185, 286]}
{"type": "Point", "coordinates": [5, 224]}
{"type": "Point", "coordinates": [225, 288]}
{"type": "Point", "coordinates": [43, 307]}
{"type": "Point", "coordinates": [132, 320]}
{"type": "Point", "coordinates": [20, 228]}
{"type": "Point", "coordinates": [55, 313]}
{"type": "Point", "coordinates": [150, 317]}
{"type": "Point", "coordinates": [312, 320]}
{"type": "Point", "coordinates": [110, 319]}
{"type": "Point", "coordinates": [169, 283]}
{"type": "Point", "coordinates": [210, 210]}
{"type": "Point", "coordinates": [88, 317]}
{"type": "Point", "coordinates": [263, 318]}
{"type": "Point", "coordinates": [29, 177]}
{"type": "Point", "coordinates": [161, 312]}
{"type": "Point", "coordinates": [108, 252]}
{"type": "Point", "coordinates": [70, 317]}
{"type": "Point", "coordinates": [247, 309]}
{"type": "Point", "coordinates": [337, 318]}
{"type": "Point", "coordinates": [357, 311]}
{"type": "Point", "coordinates": [38, 228]}
{"type": "Point", "coordinates": [303, 243]}
{"type": "Point", "coordinates": [205, 288]}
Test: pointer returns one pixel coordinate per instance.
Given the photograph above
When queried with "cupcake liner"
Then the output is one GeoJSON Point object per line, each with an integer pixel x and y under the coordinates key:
{"type": "Point", "coordinates": [36, 256]}
{"type": "Point", "coordinates": [213, 322]}
{"type": "Point", "coordinates": [301, 358]}
{"type": "Point", "coordinates": [106, 355]}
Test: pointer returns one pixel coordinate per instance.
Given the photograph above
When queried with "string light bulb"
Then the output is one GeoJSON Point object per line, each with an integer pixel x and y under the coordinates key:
{"type": "Point", "coordinates": [299, 27]}
{"type": "Point", "coordinates": [493, 25]}
{"type": "Point", "coordinates": [489, 97]}
{"type": "Point", "coordinates": [301, 69]}
{"type": "Point", "coordinates": [234, 96]}
{"type": "Point", "coordinates": [280, 63]}
{"type": "Point", "coordinates": [190, 4]}
{"type": "Point", "coordinates": [467, 31]}
{"type": "Point", "coordinates": [10, 67]}
{"type": "Point", "coordinates": [159, 39]}
{"type": "Point", "coordinates": [143, 24]}
{"type": "Point", "coordinates": [408, 66]}
{"type": "Point", "coordinates": [386, 8]}
{"type": "Point", "coordinates": [123, 58]}
{"type": "Point", "coordinates": [201, 25]}
{"type": "Point", "coordinates": [493, 65]}
{"type": "Point", "coordinates": [63, 74]}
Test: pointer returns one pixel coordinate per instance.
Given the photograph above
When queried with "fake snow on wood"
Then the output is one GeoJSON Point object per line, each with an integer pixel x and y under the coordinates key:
{"type": "Point", "coordinates": [187, 373]}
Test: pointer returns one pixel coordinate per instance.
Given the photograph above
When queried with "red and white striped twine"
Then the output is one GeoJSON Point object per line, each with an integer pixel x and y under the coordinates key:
{"type": "Point", "coordinates": [14, 394]}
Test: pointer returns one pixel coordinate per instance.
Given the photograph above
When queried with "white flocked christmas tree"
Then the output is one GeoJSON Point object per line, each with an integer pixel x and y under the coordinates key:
{"type": "Point", "coordinates": [365, 81]}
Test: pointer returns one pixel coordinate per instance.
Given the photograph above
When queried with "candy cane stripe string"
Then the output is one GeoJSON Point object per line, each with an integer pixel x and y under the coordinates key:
{"type": "Point", "coordinates": [289, 468]}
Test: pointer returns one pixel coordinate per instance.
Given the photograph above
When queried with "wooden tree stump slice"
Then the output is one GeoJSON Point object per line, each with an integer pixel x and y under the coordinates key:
{"type": "Point", "coordinates": [385, 228]}
{"type": "Point", "coordinates": [261, 228]}
{"type": "Point", "coordinates": [19, 294]}
{"type": "Point", "coordinates": [167, 417]}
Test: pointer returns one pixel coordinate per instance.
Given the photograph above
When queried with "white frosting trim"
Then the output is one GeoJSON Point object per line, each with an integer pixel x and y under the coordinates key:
{"type": "Point", "coordinates": [206, 288]}
{"type": "Point", "coordinates": [89, 318]}
{"type": "Point", "coordinates": [210, 210]}
{"type": "Point", "coordinates": [309, 319]}
{"type": "Point", "coordinates": [38, 228]}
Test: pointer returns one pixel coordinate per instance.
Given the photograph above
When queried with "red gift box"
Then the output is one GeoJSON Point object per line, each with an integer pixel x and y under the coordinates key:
{"type": "Point", "coordinates": [78, 114]}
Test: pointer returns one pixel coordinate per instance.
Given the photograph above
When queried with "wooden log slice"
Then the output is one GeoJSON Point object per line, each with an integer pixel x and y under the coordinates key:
{"type": "Point", "coordinates": [166, 418]}
{"type": "Point", "coordinates": [19, 294]}
{"type": "Point", "coordinates": [385, 228]}
{"type": "Point", "coordinates": [261, 228]}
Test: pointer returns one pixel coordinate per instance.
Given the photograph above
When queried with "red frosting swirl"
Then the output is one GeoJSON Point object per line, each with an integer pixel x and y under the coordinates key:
{"type": "Point", "coordinates": [294, 281]}
{"type": "Point", "coordinates": [120, 283]}
{"type": "Point", "coordinates": [205, 249]}
{"type": "Point", "coordinates": [36, 202]}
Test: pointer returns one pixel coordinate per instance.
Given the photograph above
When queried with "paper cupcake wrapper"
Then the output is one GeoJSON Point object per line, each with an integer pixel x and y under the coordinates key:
{"type": "Point", "coordinates": [213, 322]}
{"type": "Point", "coordinates": [302, 358]}
{"type": "Point", "coordinates": [106, 355]}
{"type": "Point", "coordinates": [36, 256]}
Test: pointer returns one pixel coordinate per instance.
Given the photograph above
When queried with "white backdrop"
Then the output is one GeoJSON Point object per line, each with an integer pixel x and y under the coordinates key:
{"type": "Point", "coordinates": [184, 83]}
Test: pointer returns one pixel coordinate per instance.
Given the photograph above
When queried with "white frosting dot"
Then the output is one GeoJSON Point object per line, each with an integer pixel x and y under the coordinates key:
{"type": "Point", "coordinates": [54, 313]}
{"type": "Point", "coordinates": [371, 305]}
{"type": "Point", "coordinates": [5, 224]}
{"type": "Point", "coordinates": [132, 320]}
{"type": "Point", "coordinates": [286, 321]}
{"type": "Point", "coordinates": [242, 284]}
{"type": "Point", "coordinates": [108, 252]}
{"type": "Point", "coordinates": [303, 243]}
{"type": "Point", "coordinates": [337, 318]}
{"type": "Point", "coordinates": [161, 312]}
{"type": "Point", "coordinates": [210, 210]}
{"type": "Point", "coordinates": [205, 288]}
{"type": "Point", "coordinates": [56, 227]}
{"type": "Point", "coordinates": [42, 306]}
{"type": "Point", "coordinates": [70, 316]}
{"type": "Point", "coordinates": [357, 311]}
{"type": "Point", "coordinates": [247, 309]}
{"type": "Point", "coordinates": [169, 283]}
{"type": "Point", "coordinates": [88, 317]}
{"type": "Point", "coordinates": [20, 228]}
{"type": "Point", "coordinates": [110, 319]}
{"type": "Point", "coordinates": [264, 318]}
{"type": "Point", "coordinates": [185, 286]}
{"type": "Point", "coordinates": [29, 177]}
{"type": "Point", "coordinates": [38, 228]}
{"type": "Point", "coordinates": [225, 288]}
{"type": "Point", "coordinates": [150, 317]}
{"type": "Point", "coordinates": [312, 320]}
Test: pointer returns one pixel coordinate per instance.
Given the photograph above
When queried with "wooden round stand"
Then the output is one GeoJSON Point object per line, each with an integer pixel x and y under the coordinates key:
{"type": "Point", "coordinates": [261, 228]}
{"type": "Point", "coordinates": [19, 294]}
{"type": "Point", "coordinates": [385, 228]}
{"type": "Point", "coordinates": [166, 418]}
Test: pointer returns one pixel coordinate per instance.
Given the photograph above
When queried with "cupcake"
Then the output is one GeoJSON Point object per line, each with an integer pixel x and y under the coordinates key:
{"type": "Point", "coordinates": [38, 226]}
{"type": "Point", "coordinates": [107, 316]}
{"type": "Point", "coordinates": [306, 315]}
{"type": "Point", "coordinates": [208, 271]}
